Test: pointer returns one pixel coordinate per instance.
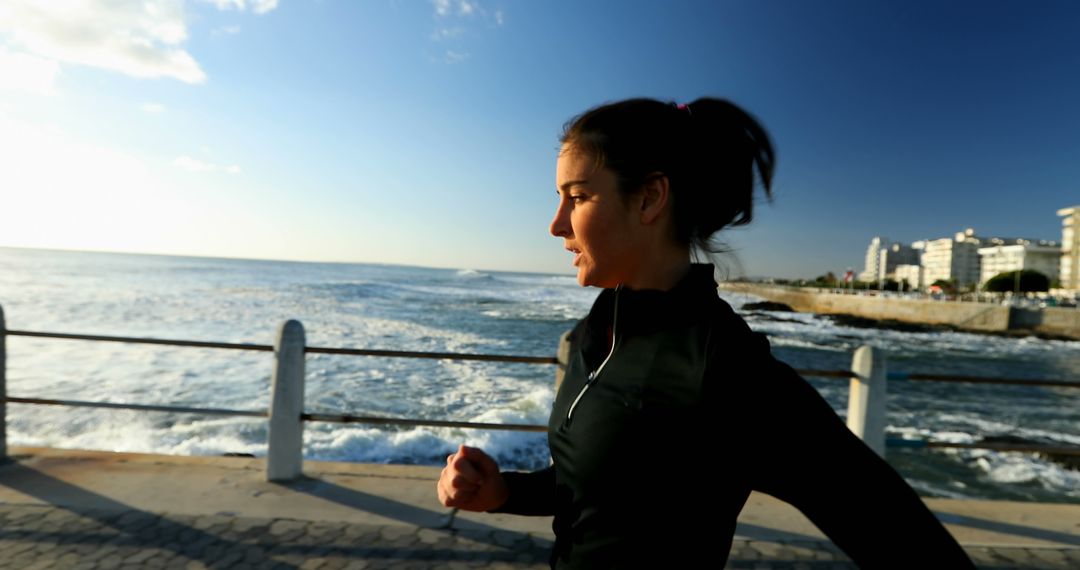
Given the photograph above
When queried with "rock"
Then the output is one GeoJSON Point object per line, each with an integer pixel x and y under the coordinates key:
{"type": "Point", "coordinates": [767, 306]}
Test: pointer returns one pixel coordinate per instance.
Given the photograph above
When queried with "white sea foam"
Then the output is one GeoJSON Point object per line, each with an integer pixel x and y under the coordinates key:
{"type": "Point", "coordinates": [470, 273]}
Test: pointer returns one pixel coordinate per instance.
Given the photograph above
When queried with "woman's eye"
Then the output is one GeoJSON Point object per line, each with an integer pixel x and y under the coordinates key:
{"type": "Point", "coordinates": [578, 198]}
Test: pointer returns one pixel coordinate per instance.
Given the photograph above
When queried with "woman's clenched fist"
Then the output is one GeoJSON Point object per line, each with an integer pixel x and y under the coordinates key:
{"type": "Point", "coordinates": [471, 481]}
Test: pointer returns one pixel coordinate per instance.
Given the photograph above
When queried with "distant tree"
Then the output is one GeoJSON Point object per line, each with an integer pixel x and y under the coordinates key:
{"type": "Point", "coordinates": [947, 285]}
{"type": "Point", "coordinates": [1030, 281]}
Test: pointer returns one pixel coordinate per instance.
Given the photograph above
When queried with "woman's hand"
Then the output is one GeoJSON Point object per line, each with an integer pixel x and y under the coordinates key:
{"type": "Point", "coordinates": [471, 481]}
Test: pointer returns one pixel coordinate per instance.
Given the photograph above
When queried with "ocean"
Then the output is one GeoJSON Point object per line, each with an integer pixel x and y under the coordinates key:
{"type": "Point", "coordinates": [448, 310]}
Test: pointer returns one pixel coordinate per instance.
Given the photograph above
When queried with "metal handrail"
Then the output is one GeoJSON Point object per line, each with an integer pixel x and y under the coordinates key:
{"type": "Point", "coordinates": [344, 418]}
{"type": "Point", "coordinates": [140, 407]}
{"type": "Point", "coordinates": [348, 419]}
{"type": "Point", "coordinates": [981, 380]}
{"type": "Point", "coordinates": [1023, 447]}
{"type": "Point", "coordinates": [311, 417]}
{"type": "Point", "coordinates": [138, 340]}
{"type": "Point", "coordinates": [513, 358]}
{"type": "Point", "coordinates": [310, 349]}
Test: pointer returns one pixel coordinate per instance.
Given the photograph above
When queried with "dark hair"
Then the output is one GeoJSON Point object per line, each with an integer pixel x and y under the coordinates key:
{"type": "Point", "coordinates": [708, 149]}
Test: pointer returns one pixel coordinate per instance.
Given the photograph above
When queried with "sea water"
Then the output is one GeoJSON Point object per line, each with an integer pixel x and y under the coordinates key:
{"type": "Point", "coordinates": [453, 310]}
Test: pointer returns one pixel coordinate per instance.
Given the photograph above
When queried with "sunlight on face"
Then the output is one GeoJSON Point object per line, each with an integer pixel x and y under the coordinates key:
{"type": "Point", "coordinates": [594, 221]}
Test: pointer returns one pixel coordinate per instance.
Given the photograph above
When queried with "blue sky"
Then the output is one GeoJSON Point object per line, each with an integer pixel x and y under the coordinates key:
{"type": "Point", "coordinates": [425, 133]}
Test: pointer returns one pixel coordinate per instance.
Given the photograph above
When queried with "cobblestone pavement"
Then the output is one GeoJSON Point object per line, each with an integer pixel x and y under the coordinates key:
{"type": "Point", "coordinates": [36, 536]}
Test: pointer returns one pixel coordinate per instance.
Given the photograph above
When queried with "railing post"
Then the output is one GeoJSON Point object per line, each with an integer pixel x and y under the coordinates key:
{"type": "Point", "coordinates": [563, 356]}
{"type": "Point", "coordinates": [285, 456]}
{"type": "Point", "coordinates": [866, 397]}
{"type": "Point", "coordinates": [3, 388]}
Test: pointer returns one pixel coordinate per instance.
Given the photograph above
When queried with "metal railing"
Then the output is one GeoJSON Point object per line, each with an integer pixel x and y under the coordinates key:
{"type": "Point", "coordinates": [866, 410]}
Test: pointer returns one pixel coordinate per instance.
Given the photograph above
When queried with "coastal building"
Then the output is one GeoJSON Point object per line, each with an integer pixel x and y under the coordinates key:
{"type": "Point", "coordinates": [895, 255]}
{"type": "Point", "coordinates": [909, 276]}
{"type": "Point", "coordinates": [873, 259]}
{"type": "Point", "coordinates": [955, 258]}
{"type": "Point", "coordinates": [1070, 248]}
{"type": "Point", "coordinates": [1032, 255]}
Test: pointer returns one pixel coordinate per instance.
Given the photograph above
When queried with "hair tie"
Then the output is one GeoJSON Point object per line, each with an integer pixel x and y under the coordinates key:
{"type": "Point", "coordinates": [684, 107]}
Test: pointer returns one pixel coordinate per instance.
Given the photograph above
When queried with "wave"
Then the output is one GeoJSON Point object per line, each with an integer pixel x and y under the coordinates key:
{"type": "Point", "coordinates": [473, 274]}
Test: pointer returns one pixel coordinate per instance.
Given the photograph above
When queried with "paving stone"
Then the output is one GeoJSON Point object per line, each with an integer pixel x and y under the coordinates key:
{"type": "Point", "coordinates": [110, 561]}
{"type": "Point", "coordinates": [1052, 557]}
{"type": "Point", "coordinates": [430, 536]}
{"type": "Point", "coordinates": [52, 537]}
{"type": "Point", "coordinates": [983, 557]}
{"type": "Point", "coordinates": [254, 554]}
{"type": "Point", "coordinates": [1013, 556]}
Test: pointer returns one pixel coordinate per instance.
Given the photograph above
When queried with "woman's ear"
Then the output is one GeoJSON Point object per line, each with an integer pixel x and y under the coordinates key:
{"type": "Point", "coordinates": [655, 196]}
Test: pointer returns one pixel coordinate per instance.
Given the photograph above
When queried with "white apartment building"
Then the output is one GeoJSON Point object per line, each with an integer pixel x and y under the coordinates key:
{"type": "Point", "coordinates": [1070, 248]}
{"type": "Point", "coordinates": [894, 255]}
{"type": "Point", "coordinates": [912, 274]}
{"type": "Point", "coordinates": [952, 258]}
{"type": "Point", "coordinates": [873, 259]}
{"type": "Point", "coordinates": [1042, 256]}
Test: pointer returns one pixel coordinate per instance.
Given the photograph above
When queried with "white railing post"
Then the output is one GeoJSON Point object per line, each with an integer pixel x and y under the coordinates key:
{"type": "Point", "coordinates": [866, 397]}
{"type": "Point", "coordinates": [285, 456]}
{"type": "Point", "coordinates": [3, 388]}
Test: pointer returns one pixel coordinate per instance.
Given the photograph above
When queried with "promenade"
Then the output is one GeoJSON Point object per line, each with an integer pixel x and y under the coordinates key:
{"type": "Point", "coordinates": [82, 509]}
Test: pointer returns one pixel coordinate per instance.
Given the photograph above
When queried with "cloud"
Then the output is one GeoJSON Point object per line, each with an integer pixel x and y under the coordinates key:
{"type": "Point", "coordinates": [445, 8]}
{"type": "Point", "coordinates": [227, 31]}
{"type": "Point", "coordinates": [27, 73]}
{"type": "Point", "coordinates": [263, 6]}
{"type": "Point", "coordinates": [195, 165]}
{"type": "Point", "coordinates": [257, 6]}
{"type": "Point", "coordinates": [442, 7]}
{"type": "Point", "coordinates": [152, 108]}
{"type": "Point", "coordinates": [448, 33]}
{"type": "Point", "coordinates": [227, 4]}
{"type": "Point", "coordinates": [455, 56]}
{"type": "Point", "coordinates": [139, 38]}
{"type": "Point", "coordinates": [456, 21]}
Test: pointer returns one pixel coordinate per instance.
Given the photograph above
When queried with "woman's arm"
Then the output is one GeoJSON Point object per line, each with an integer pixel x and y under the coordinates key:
{"type": "Point", "coordinates": [531, 493]}
{"type": "Point", "coordinates": [802, 453]}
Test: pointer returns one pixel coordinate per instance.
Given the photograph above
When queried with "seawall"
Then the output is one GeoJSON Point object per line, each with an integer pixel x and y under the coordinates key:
{"type": "Point", "coordinates": [983, 317]}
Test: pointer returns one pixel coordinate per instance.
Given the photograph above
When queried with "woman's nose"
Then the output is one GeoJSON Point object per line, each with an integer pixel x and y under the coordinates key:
{"type": "Point", "coordinates": [560, 224]}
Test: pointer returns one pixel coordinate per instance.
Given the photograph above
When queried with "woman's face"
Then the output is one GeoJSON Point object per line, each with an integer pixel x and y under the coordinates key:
{"type": "Point", "coordinates": [594, 220]}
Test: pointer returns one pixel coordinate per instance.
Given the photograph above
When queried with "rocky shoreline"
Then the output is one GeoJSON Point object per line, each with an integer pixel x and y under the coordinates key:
{"type": "Point", "coordinates": [759, 309]}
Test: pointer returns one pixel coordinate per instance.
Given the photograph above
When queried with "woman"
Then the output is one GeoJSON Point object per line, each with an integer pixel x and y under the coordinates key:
{"type": "Point", "coordinates": [671, 410]}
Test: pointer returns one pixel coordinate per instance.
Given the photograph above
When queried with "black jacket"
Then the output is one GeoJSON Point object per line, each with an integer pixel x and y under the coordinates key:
{"type": "Point", "coordinates": [656, 454]}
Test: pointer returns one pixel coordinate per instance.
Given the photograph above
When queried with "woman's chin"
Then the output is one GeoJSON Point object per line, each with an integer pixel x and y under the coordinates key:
{"type": "Point", "coordinates": [587, 280]}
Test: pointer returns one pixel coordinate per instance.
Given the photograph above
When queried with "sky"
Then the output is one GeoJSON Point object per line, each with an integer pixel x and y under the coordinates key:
{"type": "Point", "coordinates": [424, 132]}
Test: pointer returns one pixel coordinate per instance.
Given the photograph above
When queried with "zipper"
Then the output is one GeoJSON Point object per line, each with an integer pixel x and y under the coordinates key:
{"type": "Point", "coordinates": [592, 375]}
